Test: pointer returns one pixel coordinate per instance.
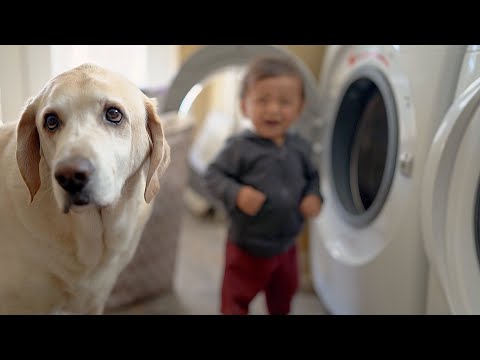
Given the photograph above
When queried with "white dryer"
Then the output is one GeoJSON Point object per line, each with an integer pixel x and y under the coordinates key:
{"type": "Point", "coordinates": [382, 105]}
{"type": "Point", "coordinates": [451, 200]}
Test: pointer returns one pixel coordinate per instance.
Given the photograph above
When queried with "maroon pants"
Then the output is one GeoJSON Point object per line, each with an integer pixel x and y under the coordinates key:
{"type": "Point", "coordinates": [246, 275]}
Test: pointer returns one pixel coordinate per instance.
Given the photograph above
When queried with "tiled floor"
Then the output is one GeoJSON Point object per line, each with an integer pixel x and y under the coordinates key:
{"type": "Point", "coordinates": [198, 276]}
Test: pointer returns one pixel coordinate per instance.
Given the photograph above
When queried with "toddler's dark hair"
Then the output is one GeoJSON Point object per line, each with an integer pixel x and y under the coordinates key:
{"type": "Point", "coordinates": [267, 66]}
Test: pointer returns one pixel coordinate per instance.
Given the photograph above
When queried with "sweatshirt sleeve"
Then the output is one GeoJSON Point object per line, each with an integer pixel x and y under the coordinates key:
{"type": "Point", "coordinates": [221, 174]}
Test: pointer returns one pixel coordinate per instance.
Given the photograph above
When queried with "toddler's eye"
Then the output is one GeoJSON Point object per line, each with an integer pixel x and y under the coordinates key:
{"type": "Point", "coordinates": [261, 101]}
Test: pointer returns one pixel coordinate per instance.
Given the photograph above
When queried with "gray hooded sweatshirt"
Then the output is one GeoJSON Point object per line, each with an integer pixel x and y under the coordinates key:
{"type": "Point", "coordinates": [285, 174]}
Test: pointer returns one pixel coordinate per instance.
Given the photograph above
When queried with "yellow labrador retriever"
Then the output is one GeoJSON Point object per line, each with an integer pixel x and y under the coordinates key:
{"type": "Point", "coordinates": [78, 174]}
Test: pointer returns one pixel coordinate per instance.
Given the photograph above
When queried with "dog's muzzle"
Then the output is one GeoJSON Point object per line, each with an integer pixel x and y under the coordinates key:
{"type": "Point", "coordinates": [73, 175]}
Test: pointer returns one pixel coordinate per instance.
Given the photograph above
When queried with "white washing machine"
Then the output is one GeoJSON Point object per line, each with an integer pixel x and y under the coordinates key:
{"type": "Point", "coordinates": [197, 70]}
{"type": "Point", "coordinates": [451, 200]}
{"type": "Point", "coordinates": [382, 105]}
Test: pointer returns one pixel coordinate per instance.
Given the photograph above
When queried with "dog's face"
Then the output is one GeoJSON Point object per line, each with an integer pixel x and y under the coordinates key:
{"type": "Point", "coordinates": [94, 129]}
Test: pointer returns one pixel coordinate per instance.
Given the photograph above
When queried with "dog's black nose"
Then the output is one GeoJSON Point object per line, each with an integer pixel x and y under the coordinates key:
{"type": "Point", "coordinates": [73, 174]}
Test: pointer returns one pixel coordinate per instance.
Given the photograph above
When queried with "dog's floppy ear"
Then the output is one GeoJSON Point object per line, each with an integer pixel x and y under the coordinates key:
{"type": "Point", "coordinates": [28, 148]}
{"type": "Point", "coordinates": [160, 151]}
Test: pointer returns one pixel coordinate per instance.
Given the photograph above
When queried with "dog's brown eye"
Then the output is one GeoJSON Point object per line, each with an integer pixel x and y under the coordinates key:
{"type": "Point", "coordinates": [51, 122]}
{"type": "Point", "coordinates": [114, 115]}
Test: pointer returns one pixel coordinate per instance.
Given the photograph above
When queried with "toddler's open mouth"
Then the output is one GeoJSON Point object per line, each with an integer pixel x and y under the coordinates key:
{"type": "Point", "coordinates": [272, 122]}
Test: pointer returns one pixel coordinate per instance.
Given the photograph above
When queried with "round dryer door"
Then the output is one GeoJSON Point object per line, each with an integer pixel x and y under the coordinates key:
{"type": "Point", "coordinates": [363, 147]}
{"type": "Point", "coordinates": [378, 135]}
{"type": "Point", "coordinates": [451, 203]}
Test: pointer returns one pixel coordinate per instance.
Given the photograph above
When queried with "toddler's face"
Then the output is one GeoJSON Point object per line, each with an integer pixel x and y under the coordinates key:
{"type": "Point", "coordinates": [273, 104]}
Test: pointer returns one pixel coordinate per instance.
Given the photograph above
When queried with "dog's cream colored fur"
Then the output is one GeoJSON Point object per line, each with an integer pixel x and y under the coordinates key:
{"type": "Point", "coordinates": [56, 256]}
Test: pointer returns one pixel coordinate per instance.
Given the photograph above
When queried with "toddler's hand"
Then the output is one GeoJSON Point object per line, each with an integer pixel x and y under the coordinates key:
{"type": "Point", "coordinates": [310, 206]}
{"type": "Point", "coordinates": [250, 200]}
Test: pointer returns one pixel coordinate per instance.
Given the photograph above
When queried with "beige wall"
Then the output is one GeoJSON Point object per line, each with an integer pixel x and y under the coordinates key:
{"type": "Point", "coordinates": [312, 56]}
{"type": "Point", "coordinates": [187, 50]}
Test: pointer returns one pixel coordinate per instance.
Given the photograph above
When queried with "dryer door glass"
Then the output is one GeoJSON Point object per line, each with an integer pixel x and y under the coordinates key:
{"type": "Point", "coordinates": [364, 147]}
{"type": "Point", "coordinates": [368, 153]}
